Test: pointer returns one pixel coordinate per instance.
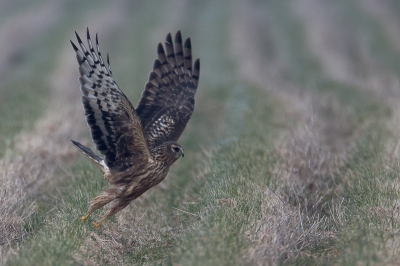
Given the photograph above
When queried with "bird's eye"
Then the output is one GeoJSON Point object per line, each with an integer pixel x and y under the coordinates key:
{"type": "Point", "coordinates": [176, 149]}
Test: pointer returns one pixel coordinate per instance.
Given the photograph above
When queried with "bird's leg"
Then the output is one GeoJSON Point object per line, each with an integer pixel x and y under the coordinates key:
{"type": "Point", "coordinates": [102, 199]}
{"type": "Point", "coordinates": [97, 225]}
{"type": "Point", "coordinates": [115, 207]}
{"type": "Point", "coordinates": [83, 218]}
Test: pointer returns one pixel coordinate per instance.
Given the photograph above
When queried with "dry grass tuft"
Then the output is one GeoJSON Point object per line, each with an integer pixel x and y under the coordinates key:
{"type": "Point", "coordinates": [304, 211]}
{"type": "Point", "coordinates": [33, 163]}
{"type": "Point", "coordinates": [38, 157]}
{"type": "Point", "coordinates": [287, 232]}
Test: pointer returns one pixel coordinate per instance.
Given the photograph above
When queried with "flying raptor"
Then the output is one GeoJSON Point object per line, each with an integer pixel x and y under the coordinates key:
{"type": "Point", "coordinates": [138, 144]}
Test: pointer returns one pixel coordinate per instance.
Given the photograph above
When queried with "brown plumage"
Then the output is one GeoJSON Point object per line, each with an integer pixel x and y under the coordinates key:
{"type": "Point", "coordinates": [139, 145]}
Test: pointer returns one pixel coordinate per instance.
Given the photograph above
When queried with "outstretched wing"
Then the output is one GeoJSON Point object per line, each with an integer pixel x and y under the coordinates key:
{"type": "Point", "coordinates": [115, 127]}
{"type": "Point", "coordinates": [167, 101]}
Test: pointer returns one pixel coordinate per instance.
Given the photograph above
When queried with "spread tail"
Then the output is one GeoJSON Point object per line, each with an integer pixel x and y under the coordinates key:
{"type": "Point", "coordinates": [93, 156]}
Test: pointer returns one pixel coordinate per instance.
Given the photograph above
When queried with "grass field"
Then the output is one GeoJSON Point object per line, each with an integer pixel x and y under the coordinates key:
{"type": "Point", "coordinates": [291, 156]}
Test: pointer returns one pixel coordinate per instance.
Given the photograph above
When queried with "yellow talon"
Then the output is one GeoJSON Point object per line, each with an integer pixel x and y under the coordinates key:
{"type": "Point", "coordinates": [97, 225]}
{"type": "Point", "coordinates": [83, 218]}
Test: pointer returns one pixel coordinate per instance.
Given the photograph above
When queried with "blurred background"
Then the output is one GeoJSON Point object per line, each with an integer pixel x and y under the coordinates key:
{"type": "Point", "coordinates": [264, 43]}
{"type": "Point", "coordinates": [287, 89]}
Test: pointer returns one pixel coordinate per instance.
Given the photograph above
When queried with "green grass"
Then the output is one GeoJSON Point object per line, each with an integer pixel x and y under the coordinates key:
{"type": "Point", "coordinates": [371, 226]}
{"type": "Point", "coordinates": [58, 234]}
{"type": "Point", "coordinates": [56, 231]}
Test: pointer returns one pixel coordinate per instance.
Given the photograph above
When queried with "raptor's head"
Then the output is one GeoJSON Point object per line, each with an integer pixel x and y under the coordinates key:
{"type": "Point", "coordinates": [167, 153]}
{"type": "Point", "coordinates": [175, 150]}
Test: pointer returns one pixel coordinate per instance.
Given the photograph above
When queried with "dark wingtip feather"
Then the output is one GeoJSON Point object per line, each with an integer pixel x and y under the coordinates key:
{"type": "Point", "coordinates": [156, 64]}
{"type": "Point", "coordinates": [97, 40]}
{"type": "Point", "coordinates": [87, 33]}
{"type": "Point", "coordinates": [108, 59]}
{"type": "Point", "coordinates": [178, 37]}
{"type": "Point", "coordinates": [188, 44]}
{"type": "Point", "coordinates": [160, 49]}
{"type": "Point", "coordinates": [78, 38]}
{"type": "Point", "coordinates": [74, 46]}
{"type": "Point", "coordinates": [169, 38]}
{"type": "Point", "coordinates": [196, 71]}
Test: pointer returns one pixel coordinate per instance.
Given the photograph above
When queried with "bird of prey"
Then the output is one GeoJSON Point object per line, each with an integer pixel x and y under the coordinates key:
{"type": "Point", "coordinates": [138, 144]}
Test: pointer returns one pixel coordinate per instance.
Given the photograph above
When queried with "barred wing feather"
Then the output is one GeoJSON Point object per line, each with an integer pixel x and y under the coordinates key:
{"type": "Point", "coordinates": [167, 101]}
{"type": "Point", "coordinates": [114, 124]}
